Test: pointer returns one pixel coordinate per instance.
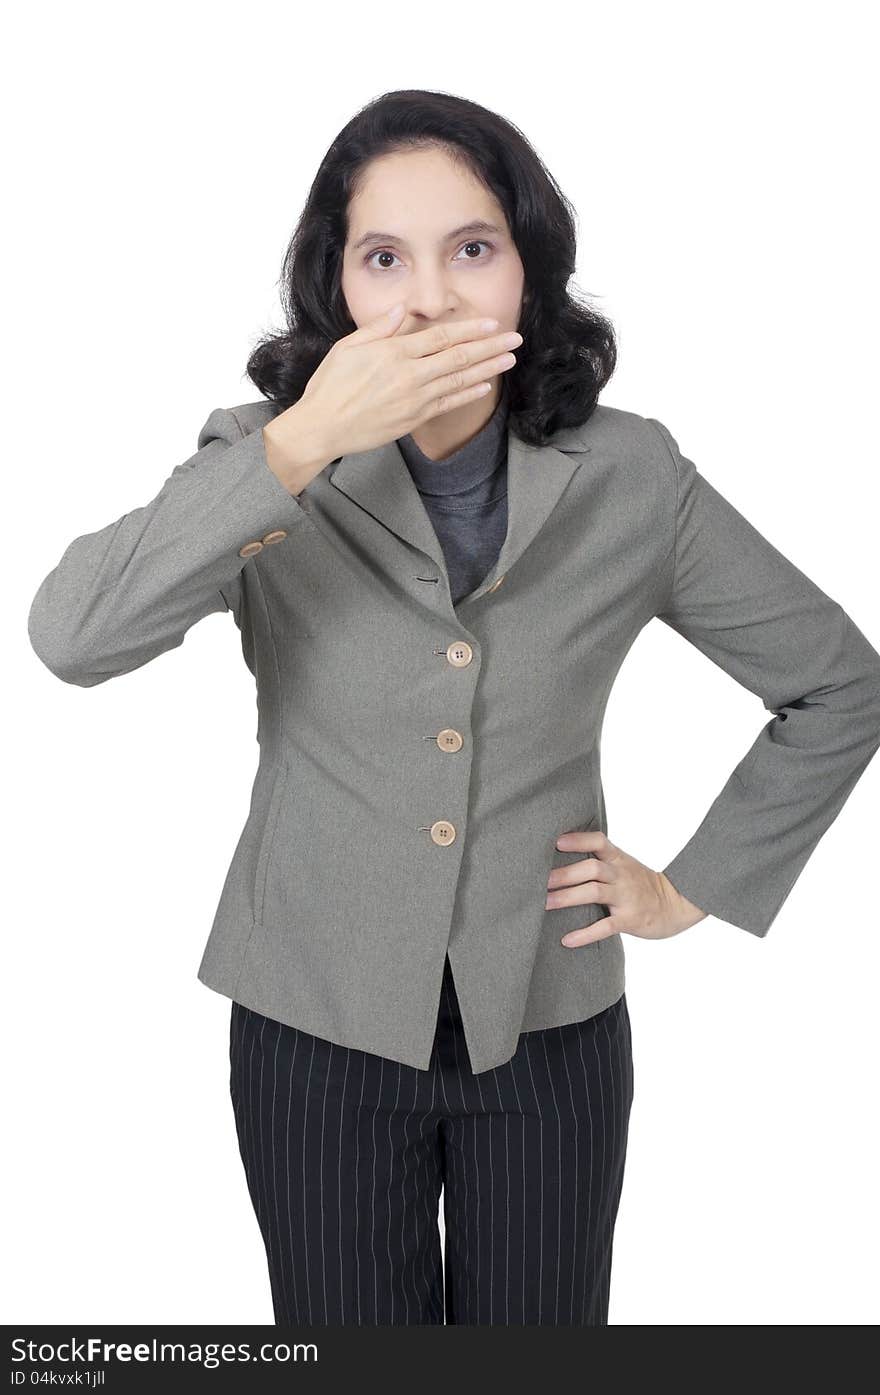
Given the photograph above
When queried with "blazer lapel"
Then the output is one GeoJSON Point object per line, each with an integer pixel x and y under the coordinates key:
{"type": "Point", "coordinates": [379, 481]}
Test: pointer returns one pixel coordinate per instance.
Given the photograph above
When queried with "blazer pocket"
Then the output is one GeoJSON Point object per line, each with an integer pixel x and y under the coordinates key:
{"type": "Point", "coordinates": [267, 842]}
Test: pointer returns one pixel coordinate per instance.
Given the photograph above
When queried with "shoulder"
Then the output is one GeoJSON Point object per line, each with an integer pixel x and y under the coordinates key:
{"type": "Point", "coordinates": [624, 436]}
{"type": "Point", "coordinates": [231, 424]}
{"type": "Point", "coordinates": [607, 426]}
{"type": "Point", "coordinates": [615, 430]}
{"type": "Point", "coordinates": [251, 416]}
{"type": "Point", "coordinates": [637, 447]}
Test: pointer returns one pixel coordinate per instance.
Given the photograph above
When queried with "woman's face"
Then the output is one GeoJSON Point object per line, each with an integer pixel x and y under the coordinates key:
{"type": "Point", "coordinates": [410, 239]}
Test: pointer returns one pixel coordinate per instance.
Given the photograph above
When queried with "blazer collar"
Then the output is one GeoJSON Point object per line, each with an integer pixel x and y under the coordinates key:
{"type": "Point", "coordinates": [379, 481]}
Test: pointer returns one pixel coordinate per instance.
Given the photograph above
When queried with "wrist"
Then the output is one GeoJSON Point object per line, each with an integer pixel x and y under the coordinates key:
{"type": "Point", "coordinates": [682, 906]}
{"type": "Point", "coordinates": [296, 449]}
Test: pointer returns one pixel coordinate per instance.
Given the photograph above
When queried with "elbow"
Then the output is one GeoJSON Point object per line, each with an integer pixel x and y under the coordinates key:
{"type": "Point", "coordinates": [860, 680]}
{"type": "Point", "coordinates": [872, 691]}
{"type": "Point", "coordinates": [56, 649]}
{"type": "Point", "coordinates": [66, 665]}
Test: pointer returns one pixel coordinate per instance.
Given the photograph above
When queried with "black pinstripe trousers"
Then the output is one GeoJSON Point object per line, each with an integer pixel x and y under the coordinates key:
{"type": "Point", "coordinates": [345, 1154]}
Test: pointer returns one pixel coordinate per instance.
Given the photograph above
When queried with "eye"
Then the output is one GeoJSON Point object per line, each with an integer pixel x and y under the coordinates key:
{"type": "Point", "coordinates": [380, 252]}
{"type": "Point", "coordinates": [386, 252]}
{"type": "Point", "coordinates": [474, 243]}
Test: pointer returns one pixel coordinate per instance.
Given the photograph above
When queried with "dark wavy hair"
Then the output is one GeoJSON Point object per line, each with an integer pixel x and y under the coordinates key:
{"type": "Point", "coordinates": [569, 350]}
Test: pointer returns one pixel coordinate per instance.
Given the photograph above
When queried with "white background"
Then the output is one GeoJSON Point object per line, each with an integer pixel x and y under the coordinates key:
{"type": "Point", "coordinates": [720, 160]}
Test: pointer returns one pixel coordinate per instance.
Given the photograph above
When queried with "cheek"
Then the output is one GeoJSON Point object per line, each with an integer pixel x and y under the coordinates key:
{"type": "Point", "coordinates": [363, 302]}
{"type": "Point", "coordinates": [505, 288]}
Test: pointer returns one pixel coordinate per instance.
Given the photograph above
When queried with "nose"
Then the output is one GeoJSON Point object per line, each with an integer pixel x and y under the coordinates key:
{"type": "Point", "coordinates": [430, 298]}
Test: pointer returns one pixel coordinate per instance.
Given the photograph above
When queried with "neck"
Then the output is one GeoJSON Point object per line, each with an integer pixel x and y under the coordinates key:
{"type": "Point", "coordinates": [443, 435]}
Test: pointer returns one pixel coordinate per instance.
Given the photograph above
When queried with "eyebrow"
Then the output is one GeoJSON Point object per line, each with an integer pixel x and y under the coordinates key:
{"type": "Point", "coordinates": [477, 225]}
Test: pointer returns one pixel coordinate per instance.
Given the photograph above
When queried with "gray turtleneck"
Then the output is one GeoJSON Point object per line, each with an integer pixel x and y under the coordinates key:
{"type": "Point", "coordinates": [465, 496]}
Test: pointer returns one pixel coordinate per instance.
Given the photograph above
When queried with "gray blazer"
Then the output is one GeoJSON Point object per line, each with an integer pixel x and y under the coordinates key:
{"type": "Point", "coordinates": [418, 759]}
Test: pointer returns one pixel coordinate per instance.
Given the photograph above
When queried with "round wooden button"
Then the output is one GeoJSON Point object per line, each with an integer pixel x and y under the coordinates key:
{"type": "Point", "coordinates": [460, 653]}
{"type": "Point", "coordinates": [495, 584]}
{"type": "Point", "coordinates": [276, 536]}
{"type": "Point", "coordinates": [250, 548]}
{"type": "Point", "coordinates": [443, 832]}
{"type": "Point", "coordinates": [449, 739]}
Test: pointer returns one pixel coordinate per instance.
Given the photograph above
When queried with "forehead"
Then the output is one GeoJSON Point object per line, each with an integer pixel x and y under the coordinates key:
{"type": "Point", "coordinates": [421, 196]}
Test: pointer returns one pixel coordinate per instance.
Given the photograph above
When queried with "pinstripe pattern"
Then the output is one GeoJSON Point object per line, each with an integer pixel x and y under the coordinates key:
{"type": "Point", "coordinates": [346, 1153]}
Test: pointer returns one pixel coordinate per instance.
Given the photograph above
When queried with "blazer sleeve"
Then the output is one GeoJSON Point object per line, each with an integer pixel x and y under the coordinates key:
{"type": "Point", "coordinates": [757, 616]}
{"type": "Point", "coordinates": [127, 593]}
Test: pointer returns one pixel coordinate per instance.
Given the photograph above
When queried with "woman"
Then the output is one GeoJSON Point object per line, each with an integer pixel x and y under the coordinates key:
{"type": "Point", "coordinates": [407, 1013]}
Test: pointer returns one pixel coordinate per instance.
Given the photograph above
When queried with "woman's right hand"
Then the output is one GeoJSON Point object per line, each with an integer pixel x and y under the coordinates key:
{"type": "Point", "coordinates": [375, 385]}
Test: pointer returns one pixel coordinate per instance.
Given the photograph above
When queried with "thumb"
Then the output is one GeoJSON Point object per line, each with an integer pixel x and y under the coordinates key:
{"type": "Point", "coordinates": [384, 325]}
